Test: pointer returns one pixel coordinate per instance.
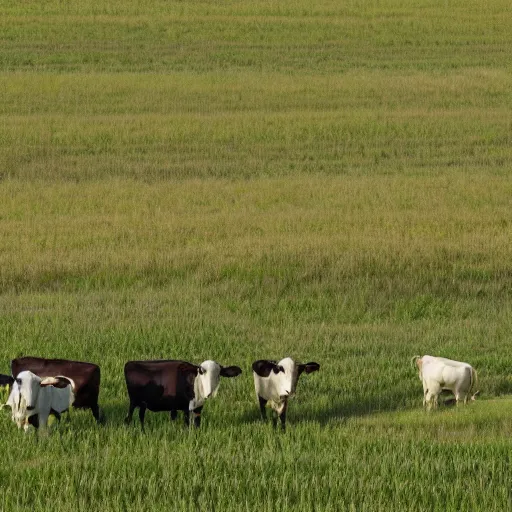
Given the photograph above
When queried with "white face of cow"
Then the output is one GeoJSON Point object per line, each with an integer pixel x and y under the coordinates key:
{"type": "Point", "coordinates": [24, 393]}
{"type": "Point", "coordinates": [29, 386]}
{"type": "Point", "coordinates": [277, 381]}
{"type": "Point", "coordinates": [207, 380]}
{"type": "Point", "coordinates": [286, 379]}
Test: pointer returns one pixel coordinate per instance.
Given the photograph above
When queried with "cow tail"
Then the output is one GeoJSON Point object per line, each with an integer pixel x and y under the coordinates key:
{"type": "Point", "coordinates": [413, 361]}
{"type": "Point", "coordinates": [474, 383]}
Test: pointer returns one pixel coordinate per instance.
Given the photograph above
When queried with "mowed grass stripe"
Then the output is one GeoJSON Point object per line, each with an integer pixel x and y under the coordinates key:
{"type": "Point", "coordinates": [243, 92]}
{"type": "Point", "coordinates": [325, 38]}
{"type": "Point", "coordinates": [152, 127]}
{"type": "Point", "coordinates": [335, 228]}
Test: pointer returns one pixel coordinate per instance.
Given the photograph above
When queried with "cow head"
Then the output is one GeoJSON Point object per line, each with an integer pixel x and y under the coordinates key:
{"type": "Point", "coordinates": [208, 377]}
{"type": "Point", "coordinates": [28, 385]}
{"type": "Point", "coordinates": [291, 373]}
{"type": "Point", "coordinates": [23, 396]}
{"type": "Point", "coordinates": [284, 374]}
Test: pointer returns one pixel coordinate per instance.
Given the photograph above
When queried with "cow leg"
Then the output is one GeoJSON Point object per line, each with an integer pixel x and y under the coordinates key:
{"type": "Point", "coordinates": [197, 416]}
{"type": "Point", "coordinates": [429, 400]}
{"type": "Point", "coordinates": [186, 416]}
{"type": "Point", "coordinates": [32, 420]}
{"type": "Point", "coordinates": [461, 397]}
{"type": "Point", "coordinates": [43, 423]}
{"type": "Point", "coordinates": [173, 414]}
{"type": "Point", "coordinates": [460, 394]}
{"type": "Point", "coordinates": [129, 416]}
{"type": "Point", "coordinates": [431, 397]}
{"type": "Point", "coordinates": [142, 412]}
{"type": "Point", "coordinates": [282, 417]}
{"type": "Point", "coordinates": [274, 418]}
{"type": "Point", "coordinates": [96, 412]}
{"type": "Point", "coordinates": [263, 410]}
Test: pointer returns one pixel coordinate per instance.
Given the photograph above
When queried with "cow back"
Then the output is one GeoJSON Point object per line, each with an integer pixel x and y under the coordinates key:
{"type": "Point", "coordinates": [160, 385]}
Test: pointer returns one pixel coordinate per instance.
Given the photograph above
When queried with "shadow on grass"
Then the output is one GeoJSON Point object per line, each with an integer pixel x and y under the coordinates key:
{"type": "Point", "coordinates": [341, 408]}
{"type": "Point", "coordinates": [114, 415]}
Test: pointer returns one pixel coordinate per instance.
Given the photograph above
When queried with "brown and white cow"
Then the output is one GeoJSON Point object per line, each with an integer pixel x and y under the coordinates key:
{"type": "Point", "coordinates": [169, 385]}
{"type": "Point", "coordinates": [33, 399]}
{"type": "Point", "coordinates": [85, 376]}
{"type": "Point", "coordinates": [275, 382]}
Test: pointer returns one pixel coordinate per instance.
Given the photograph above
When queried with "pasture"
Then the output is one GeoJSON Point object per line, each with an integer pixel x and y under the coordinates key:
{"type": "Point", "coordinates": [245, 180]}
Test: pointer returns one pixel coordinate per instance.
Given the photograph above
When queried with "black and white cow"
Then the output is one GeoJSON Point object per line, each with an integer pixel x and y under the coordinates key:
{"type": "Point", "coordinates": [275, 382]}
{"type": "Point", "coordinates": [86, 378]}
{"type": "Point", "coordinates": [33, 399]}
{"type": "Point", "coordinates": [168, 385]}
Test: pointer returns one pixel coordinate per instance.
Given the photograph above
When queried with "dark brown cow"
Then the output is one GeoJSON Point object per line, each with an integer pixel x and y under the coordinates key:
{"type": "Point", "coordinates": [86, 377]}
{"type": "Point", "coordinates": [173, 386]}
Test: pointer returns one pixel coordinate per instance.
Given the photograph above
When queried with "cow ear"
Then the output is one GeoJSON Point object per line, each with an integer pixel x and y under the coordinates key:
{"type": "Point", "coordinates": [263, 367]}
{"type": "Point", "coordinates": [230, 371]}
{"type": "Point", "coordinates": [200, 370]}
{"type": "Point", "coordinates": [309, 367]}
{"type": "Point", "coordinates": [277, 369]}
{"type": "Point", "coordinates": [6, 380]}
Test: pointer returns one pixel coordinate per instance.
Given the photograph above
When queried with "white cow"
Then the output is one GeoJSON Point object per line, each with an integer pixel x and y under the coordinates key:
{"type": "Point", "coordinates": [275, 382]}
{"type": "Point", "coordinates": [438, 374]}
{"type": "Point", "coordinates": [33, 399]}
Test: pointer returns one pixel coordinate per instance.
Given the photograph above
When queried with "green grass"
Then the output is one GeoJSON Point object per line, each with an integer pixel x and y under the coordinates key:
{"type": "Point", "coordinates": [243, 180]}
{"type": "Point", "coordinates": [236, 271]}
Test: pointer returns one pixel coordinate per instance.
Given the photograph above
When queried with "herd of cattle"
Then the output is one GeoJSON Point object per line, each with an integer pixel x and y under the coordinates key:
{"type": "Point", "coordinates": [41, 387]}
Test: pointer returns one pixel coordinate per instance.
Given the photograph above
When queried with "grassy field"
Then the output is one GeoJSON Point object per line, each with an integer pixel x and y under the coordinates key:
{"type": "Point", "coordinates": [243, 180]}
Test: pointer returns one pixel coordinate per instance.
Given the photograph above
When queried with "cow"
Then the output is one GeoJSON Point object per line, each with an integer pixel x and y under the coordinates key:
{"type": "Point", "coordinates": [275, 382]}
{"type": "Point", "coordinates": [86, 377]}
{"type": "Point", "coordinates": [33, 399]}
{"type": "Point", "coordinates": [438, 374]}
{"type": "Point", "coordinates": [170, 385]}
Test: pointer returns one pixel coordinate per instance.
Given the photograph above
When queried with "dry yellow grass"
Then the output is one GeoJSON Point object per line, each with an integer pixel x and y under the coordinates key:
{"type": "Point", "coordinates": [345, 225]}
